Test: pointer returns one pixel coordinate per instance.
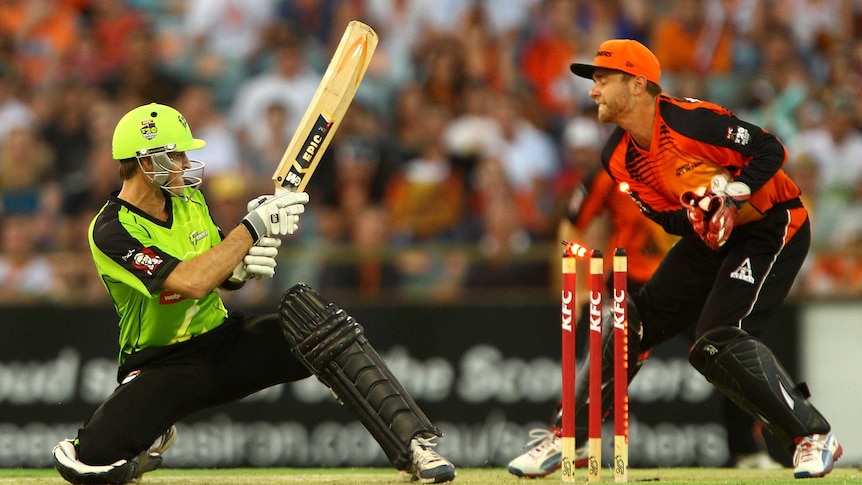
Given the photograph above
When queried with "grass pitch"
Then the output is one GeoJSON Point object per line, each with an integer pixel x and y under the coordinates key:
{"type": "Point", "coordinates": [466, 476]}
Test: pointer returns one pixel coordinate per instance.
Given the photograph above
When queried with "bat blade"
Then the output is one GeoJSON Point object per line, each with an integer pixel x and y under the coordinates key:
{"type": "Point", "coordinates": [324, 114]}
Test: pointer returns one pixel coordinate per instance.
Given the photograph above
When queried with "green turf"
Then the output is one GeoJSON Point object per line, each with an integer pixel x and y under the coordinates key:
{"type": "Point", "coordinates": [467, 476]}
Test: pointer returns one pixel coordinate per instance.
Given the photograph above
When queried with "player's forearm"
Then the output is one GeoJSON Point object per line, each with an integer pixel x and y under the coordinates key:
{"type": "Point", "coordinates": [200, 275]}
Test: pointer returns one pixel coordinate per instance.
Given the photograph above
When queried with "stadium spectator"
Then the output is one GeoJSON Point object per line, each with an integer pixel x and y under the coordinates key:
{"type": "Point", "coordinates": [26, 275]}
{"type": "Point", "coordinates": [14, 112]}
{"type": "Point", "coordinates": [818, 29]}
{"type": "Point", "coordinates": [545, 58]}
{"type": "Point", "coordinates": [442, 72]}
{"type": "Point", "coordinates": [289, 81]}
{"type": "Point", "coordinates": [143, 76]}
{"type": "Point", "coordinates": [43, 34]}
{"type": "Point", "coordinates": [84, 186]}
{"type": "Point", "coordinates": [780, 86]}
{"type": "Point", "coordinates": [27, 185]}
{"type": "Point", "coordinates": [693, 39]}
{"type": "Point", "coordinates": [504, 242]}
{"type": "Point", "coordinates": [521, 140]}
{"type": "Point", "coordinates": [226, 39]}
{"type": "Point", "coordinates": [836, 146]}
{"type": "Point", "coordinates": [222, 153]}
{"type": "Point", "coordinates": [426, 202]}
{"type": "Point", "coordinates": [111, 24]}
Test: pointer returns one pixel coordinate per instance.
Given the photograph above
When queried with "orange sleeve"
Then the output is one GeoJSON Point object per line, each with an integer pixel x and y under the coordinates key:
{"type": "Point", "coordinates": [595, 201]}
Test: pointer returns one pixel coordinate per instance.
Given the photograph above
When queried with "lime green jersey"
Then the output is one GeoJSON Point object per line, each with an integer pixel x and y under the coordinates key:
{"type": "Point", "coordinates": [134, 253]}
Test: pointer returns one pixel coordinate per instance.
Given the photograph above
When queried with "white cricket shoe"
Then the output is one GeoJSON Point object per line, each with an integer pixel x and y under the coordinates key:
{"type": "Point", "coordinates": [152, 458]}
{"type": "Point", "coordinates": [544, 455]}
{"type": "Point", "coordinates": [426, 465]}
{"type": "Point", "coordinates": [815, 455]}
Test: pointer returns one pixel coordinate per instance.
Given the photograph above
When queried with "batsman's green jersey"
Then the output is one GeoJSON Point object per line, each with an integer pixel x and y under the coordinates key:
{"type": "Point", "coordinates": [134, 253]}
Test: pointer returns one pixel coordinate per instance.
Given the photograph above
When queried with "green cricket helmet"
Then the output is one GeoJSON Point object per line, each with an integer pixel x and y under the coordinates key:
{"type": "Point", "coordinates": [155, 130]}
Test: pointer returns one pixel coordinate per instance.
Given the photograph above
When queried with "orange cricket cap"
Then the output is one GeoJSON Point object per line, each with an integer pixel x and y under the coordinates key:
{"type": "Point", "coordinates": [626, 55]}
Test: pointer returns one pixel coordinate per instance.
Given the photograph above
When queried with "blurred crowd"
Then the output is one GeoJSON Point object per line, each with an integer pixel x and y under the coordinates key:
{"type": "Point", "coordinates": [458, 156]}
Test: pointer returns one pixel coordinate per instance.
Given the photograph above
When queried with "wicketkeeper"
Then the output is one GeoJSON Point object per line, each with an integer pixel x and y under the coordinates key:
{"type": "Point", "coordinates": [717, 181]}
{"type": "Point", "coordinates": [162, 259]}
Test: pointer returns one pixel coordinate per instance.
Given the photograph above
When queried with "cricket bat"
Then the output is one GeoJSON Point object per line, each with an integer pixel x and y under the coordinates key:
{"type": "Point", "coordinates": [327, 108]}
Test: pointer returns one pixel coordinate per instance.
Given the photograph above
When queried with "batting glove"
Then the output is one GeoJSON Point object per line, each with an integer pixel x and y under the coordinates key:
{"type": "Point", "coordinates": [272, 215]}
{"type": "Point", "coordinates": [258, 262]}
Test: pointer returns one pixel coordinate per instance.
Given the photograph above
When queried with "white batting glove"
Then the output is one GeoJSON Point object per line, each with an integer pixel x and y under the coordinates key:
{"type": "Point", "coordinates": [259, 262]}
{"type": "Point", "coordinates": [273, 215]}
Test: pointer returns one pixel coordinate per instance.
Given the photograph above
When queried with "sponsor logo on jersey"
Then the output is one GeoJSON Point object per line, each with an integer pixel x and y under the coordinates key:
{"type": "Point", "coordinates": [169, 298]}
{"type": "Point", "coordinates": [688, 167]}
{"type": "Point", "coordinates": [738, 135]}
{"type": "Point", "coordinates": [196, 236]}
{"type": "Point", "coordinates": [146, 260]}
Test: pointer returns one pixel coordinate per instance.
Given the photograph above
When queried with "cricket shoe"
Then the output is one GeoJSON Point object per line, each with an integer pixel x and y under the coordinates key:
{"type": "Point", "coordinates": [152, 458]}
{"type": "Point", "coordinates": [426, 465]}
{"type": "Point", "coordinates": [544, 455]}
{"type": "Point", "coordinates": [815, 455]}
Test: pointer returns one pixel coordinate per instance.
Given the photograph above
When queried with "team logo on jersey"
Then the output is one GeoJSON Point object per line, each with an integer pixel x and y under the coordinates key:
{"type": "Point", "coordinates": [738, 135]}
{"type": "Point", "coordinates": [147, 261]}
{"type": "Point", "coordinates": [743, 272]}
{"type": "Point", "coordinates": [148, 129]}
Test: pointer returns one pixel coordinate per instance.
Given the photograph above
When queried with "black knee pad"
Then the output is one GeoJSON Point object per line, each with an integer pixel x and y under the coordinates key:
{"type": "Point", "coordinates": [746, 371]}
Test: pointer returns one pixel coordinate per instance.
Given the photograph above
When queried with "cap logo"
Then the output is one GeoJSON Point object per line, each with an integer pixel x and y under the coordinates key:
{"type": "Point", "coordinates": [604, 54]}
{"type": "Point", "coordinates": [148, 129]}
{"type": "Point", "coordinates": [629, 64]}
{"type": "Point", "coordinates": [182, 121]}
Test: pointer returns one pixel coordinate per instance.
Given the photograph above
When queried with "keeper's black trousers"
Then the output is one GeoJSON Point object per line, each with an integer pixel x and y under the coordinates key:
{"type": "Point", "coordinates": [696, 289]}
{"type": "Point", "coordinates": [160, 386]}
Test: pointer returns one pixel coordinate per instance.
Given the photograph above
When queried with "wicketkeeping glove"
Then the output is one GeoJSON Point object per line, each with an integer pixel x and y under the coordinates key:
{"type": "Point", "coordinates": [259, 262]}
{"type": "Point", "coordinates": [713, 214]}
{"type": "Point", "coordinates": [697, 215]}
{"type": "Point", "coordinates": [277, 214]}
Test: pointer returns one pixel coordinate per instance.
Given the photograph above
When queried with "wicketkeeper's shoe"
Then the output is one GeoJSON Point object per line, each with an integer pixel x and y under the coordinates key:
{"type": "Point", "coordinates": [426, 465]}
{"type": "Point", "coordinates": [815, 455]}
{"type": "Point", "coordinates": [544, 455]}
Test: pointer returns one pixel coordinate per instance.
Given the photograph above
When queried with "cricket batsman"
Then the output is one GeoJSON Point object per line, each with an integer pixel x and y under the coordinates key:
{"type": "Point", "coordinates": [163, 260]}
